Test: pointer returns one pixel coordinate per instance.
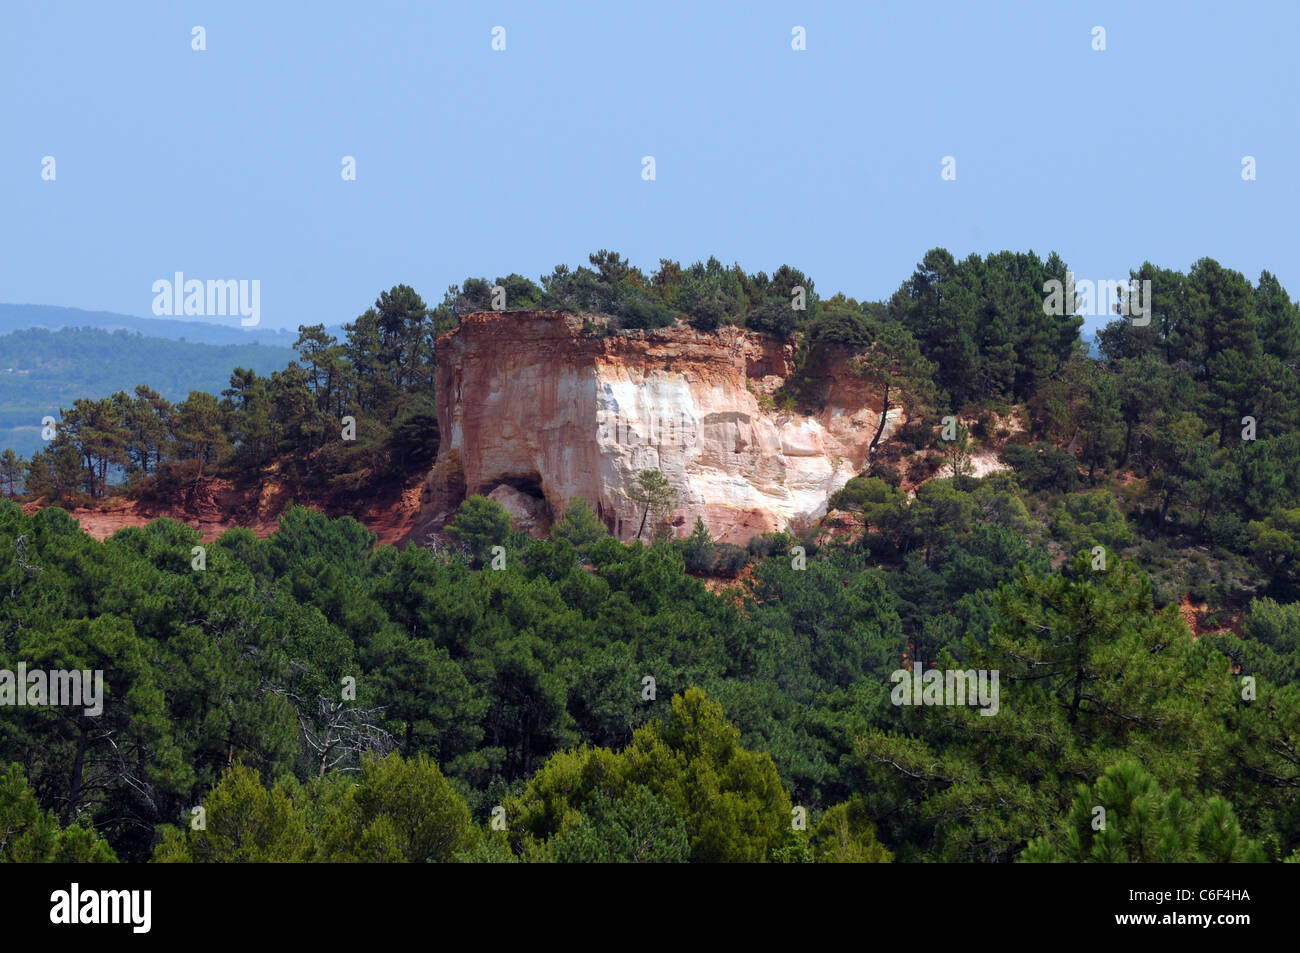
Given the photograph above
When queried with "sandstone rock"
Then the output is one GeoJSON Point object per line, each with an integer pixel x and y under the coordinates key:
{"type": "Point", "coordinates": [528, 401]}
{"type": "Point", "coordinates": [528, 514]}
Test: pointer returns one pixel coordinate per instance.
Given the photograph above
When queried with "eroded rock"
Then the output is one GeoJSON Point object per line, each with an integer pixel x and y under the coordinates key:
{"type": "Point", "coordinates": [528, 401]}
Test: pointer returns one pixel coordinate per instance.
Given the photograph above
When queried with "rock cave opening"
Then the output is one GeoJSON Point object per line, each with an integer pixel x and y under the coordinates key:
{"type": "Point", "coordinates": [530, 485]}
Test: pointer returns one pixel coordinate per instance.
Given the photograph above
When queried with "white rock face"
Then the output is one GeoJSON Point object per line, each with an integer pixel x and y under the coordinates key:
{"type": "Point", "coordinates": [576, 416]}
{"type": "Point", "coordinates": [727, 459]}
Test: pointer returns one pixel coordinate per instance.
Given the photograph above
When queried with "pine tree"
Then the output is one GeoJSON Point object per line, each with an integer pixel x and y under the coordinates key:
{"type": "Point", "coordinates": [655, 495]}
{"type": "Point", "coordinates": [1102, 425]}
{"type": "Point", "coordinates": [896, 365]}
{"type": "Point", "coordinates": [197, 427]}
{"type": "Point", "coordinates": [12, 468]}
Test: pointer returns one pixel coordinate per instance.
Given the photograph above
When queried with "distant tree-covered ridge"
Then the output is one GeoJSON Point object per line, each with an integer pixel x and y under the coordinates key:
{"type": "Point", "coordinates": [43, 371]}
{"type": "Point", "coordinates": [25, 317]}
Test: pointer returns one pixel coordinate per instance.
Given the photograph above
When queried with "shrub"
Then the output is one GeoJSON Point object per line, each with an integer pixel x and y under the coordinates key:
{"type": "Point", "coordinates": [1042, 466]}
{"type": "Point", "coordinates": [839, 327]}
{"type": "Point", "coordinates": [860, 491]}
{"type": "Point", "coordinates": [773, 316]}
{"type": "Point", "coordinates": [638, 311]}
{"type": "Point", "coordinates": [769, 544]}
{"type": "Point", "coordinates": [921, 468]}
{"type": "Point", "coordinates": [886, 472]}
{"type": "Point", "coordinates": [697, 549]}
{"type": "Point", "coordinates": [580, 526]}
{"type": "Point", "coordinates": [1084, 520]}
{"type": "Point", "coordinates": [729, 560]}
{"type": "Point", "coordinates": [480, 524]}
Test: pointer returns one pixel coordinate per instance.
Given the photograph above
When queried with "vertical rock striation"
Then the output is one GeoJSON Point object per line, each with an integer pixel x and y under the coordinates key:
{"type": "Point", "coordinates": [529, 402]}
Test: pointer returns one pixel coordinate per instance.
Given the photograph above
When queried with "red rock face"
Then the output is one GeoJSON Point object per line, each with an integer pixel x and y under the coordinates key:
{"type": "Point", "coordinates": [528, 401]}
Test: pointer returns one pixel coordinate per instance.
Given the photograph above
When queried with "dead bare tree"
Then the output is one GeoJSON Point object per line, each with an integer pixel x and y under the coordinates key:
{"type": "Point", "coordinates": [341, 732]}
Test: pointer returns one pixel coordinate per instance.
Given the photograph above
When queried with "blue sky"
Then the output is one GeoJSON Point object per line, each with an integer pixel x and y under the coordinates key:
{"type": "Point", "coordinates": [226, 163]}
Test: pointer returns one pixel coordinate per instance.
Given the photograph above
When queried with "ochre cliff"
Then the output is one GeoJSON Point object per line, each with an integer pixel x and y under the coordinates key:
{"type": "Point", "coordinates": [535, 412]}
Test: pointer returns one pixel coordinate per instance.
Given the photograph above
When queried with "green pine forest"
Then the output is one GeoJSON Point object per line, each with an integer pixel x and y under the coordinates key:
{"type": "Point", "coordinates": [314, 697]}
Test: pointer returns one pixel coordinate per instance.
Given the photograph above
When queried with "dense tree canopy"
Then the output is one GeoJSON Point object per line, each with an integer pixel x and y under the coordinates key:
{"type": "Point", "coordinates": [582, 699]}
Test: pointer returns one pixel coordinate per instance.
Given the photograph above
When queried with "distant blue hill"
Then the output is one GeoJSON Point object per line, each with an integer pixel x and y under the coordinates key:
{"type": "Point", "coordinates": [22, 317]}
{"type": "Point", "coordinates": [43, 371]}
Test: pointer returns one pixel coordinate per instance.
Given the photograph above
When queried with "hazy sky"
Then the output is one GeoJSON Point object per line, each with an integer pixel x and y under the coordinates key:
{"type": "Point", "coordinates": [226, 163]}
